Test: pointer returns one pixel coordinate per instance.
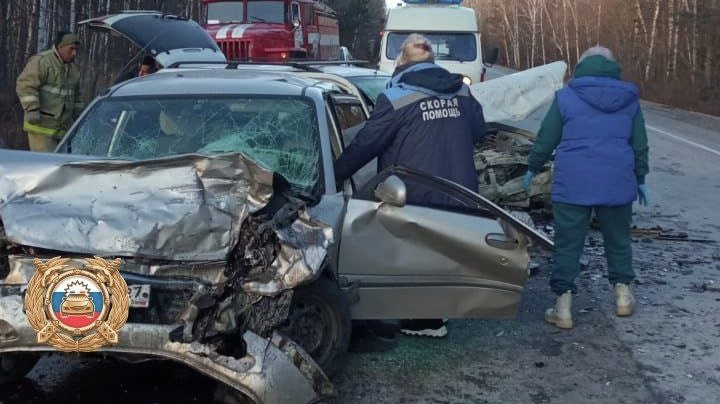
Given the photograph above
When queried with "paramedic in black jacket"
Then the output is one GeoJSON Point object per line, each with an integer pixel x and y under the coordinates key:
{"type": "Point", "coordinates": [426, 120]}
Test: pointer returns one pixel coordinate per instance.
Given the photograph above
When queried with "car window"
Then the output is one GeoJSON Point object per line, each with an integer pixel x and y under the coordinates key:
{"type": "Point", "coordinates": [350, 116]}
{"type": "Point", "coordinates": [335, 142]}
{"type": "Point", "coordinates": [225, 11]}
{"type": "Point", "coordinates": [308, 12]}
{"type": "Point", "coordinates": [278, 132]}
{"type": "Point", "coordinates": [295, 13]}
{"type": "Point", "coordinates": [266, 11]}
{"type": "Point", "coordinates": [351, 119]}
{"type": "Point", "coordinates": [372, 86]}
{"type": "Point", "coordinates": [446, 46]}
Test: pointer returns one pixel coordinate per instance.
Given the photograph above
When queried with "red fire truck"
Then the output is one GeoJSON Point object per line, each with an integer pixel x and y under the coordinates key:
{"type": "Point", "coordinates": [273, 30]}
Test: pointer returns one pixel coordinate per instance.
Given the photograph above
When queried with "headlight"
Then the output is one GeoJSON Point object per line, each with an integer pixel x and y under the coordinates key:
{"type": "Point", "coordinates": [467, 80]}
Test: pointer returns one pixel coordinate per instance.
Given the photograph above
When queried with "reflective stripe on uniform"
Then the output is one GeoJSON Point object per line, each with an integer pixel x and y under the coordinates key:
{"type": "Point", "coordinates": [56, 90]}
{"type": "Point", "coordinates": [408, 99]}
{"type": "Point", "coordinates": [27, 126]}
{"type": "Point", "coordinates": [29, 98]}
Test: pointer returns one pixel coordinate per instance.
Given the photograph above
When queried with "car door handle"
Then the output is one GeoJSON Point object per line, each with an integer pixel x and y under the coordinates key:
{"type": "Point", "coordinates": [501, 241]}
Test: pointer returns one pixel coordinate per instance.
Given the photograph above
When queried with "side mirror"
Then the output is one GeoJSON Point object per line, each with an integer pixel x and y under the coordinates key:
{"type": "Point", "coordinates": [492, 56]}
{"type": "Point", "coordinates": [392, 191]}
{"type": "Point", "coordinates": [344, 52]}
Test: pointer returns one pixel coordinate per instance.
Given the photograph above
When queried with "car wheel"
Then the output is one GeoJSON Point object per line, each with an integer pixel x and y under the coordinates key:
{"type": "Point", "coordinates": [319, 321]}
{"type": "Point", "coordinates": [14, 367]}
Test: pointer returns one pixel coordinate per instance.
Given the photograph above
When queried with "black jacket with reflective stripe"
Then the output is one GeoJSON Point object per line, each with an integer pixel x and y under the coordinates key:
{"type": "Point", "coordinates": [426, 120]}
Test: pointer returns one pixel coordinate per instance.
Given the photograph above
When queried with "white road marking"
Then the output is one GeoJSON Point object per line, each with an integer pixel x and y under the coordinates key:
{"type": "Point", "coordinates": [662, 132]}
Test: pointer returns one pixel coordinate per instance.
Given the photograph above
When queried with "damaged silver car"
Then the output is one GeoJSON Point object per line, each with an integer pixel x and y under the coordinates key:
{"type": "Point", "coordinates": [245, 260]}
{"type": "Point", "coordinates": [216, 188]}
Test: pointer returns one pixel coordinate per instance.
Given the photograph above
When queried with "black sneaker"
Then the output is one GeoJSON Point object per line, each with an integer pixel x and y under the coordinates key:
{"type": "Point", "coordinates": [424, 328]}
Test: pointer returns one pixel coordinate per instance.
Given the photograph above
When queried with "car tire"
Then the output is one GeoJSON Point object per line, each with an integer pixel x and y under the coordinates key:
{"type": "Point", "coordinates": [319, 321]}
{"type": "Point", "coordinates": [15, 366]}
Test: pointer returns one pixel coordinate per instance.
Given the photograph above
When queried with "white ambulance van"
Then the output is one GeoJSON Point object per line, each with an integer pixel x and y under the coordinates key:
{"type": "Point", "coordinates": [452, 29]}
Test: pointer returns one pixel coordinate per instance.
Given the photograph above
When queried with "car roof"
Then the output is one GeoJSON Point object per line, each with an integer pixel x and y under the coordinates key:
{"type": "Point", "coordinates": [178, 81]}
{"type": "Point", "coordinates": [350, 71]}
{"type": "Point", "coordinates": [330, 67]}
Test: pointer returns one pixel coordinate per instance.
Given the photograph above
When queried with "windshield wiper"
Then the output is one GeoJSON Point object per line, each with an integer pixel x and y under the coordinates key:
{"type": "Point", "coordinates": [257, 18]}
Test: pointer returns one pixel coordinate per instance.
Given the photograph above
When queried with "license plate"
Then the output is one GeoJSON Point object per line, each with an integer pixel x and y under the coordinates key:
{"type": "Point", "coordinates": [139, 295]}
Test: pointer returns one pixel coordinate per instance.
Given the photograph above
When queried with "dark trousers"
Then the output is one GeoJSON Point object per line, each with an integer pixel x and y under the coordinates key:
{"type": "Point", "coordinates": [571, 226]}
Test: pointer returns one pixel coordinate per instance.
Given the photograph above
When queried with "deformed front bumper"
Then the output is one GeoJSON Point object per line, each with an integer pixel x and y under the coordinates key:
{"type": "Point", "coordinates": [274, 370]}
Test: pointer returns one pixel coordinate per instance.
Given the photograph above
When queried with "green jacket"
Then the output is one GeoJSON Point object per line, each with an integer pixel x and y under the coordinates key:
{"type": "Point", "coordinates": [51, 86]}
{"type": "Point", "coordinates": [550, 133]}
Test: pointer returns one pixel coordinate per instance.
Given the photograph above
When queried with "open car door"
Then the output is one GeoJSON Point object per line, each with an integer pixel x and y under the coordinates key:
{"type": "Point", "coordinates": [168, 38]}
{"type": "Point", "coordinates": [461, 260]}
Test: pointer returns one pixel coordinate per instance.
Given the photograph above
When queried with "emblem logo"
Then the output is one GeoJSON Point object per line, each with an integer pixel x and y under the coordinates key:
{"type": "Point", "coordinates": [77, 309]}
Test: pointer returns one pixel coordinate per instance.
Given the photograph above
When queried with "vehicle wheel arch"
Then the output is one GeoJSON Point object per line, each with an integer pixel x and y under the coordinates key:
{"type": "Point", "coordinates": [320, 322]}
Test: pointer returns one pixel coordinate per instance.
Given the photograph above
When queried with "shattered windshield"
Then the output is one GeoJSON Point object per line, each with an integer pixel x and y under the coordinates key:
{"type": "Point", "coordinates": [279, 132]}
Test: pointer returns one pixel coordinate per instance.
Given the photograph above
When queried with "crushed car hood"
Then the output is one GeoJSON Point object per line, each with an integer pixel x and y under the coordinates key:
{"type": "Point", "coordinates": [168, 38]}
{"type": "Point", "coordinates": [515, 96]}
{"type": "Point", "coordinates": [187, 207]}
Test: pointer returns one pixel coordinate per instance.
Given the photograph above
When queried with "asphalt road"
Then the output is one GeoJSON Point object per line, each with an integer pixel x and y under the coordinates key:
{"type": "Point", "coordinates": [666, 353]}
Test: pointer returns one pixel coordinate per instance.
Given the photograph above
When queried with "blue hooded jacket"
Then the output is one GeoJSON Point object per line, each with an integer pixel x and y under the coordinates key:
{"type": "Point", "coordinates": [595, 161]}
{"type": "Point", "coordinates": [426, 120]}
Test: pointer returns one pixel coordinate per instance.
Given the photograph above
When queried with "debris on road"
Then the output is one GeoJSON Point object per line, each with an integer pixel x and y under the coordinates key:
{"type": "Point", "coordinates": [659, 233]}
{"type": "Point", "coordinates": [705, 287]}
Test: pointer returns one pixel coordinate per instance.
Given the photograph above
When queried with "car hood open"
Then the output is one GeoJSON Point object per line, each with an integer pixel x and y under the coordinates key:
{"type": "Point", "coordinates": [516, 96]}
{"type": "Point", "coordinates": [168, 38]}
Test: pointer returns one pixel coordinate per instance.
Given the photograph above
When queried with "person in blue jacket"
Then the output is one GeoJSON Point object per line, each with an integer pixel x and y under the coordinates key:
{"type": "Point", "coordinates": [425, 120]}
{"type": "Point", "coordinates": [596, 128]}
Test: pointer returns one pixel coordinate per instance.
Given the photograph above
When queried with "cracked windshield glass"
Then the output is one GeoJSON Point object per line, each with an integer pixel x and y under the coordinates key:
{"type": "Point", "coordinates": [278, 132]}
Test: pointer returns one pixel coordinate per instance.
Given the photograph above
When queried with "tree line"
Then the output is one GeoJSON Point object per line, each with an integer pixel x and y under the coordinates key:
{"type": "Point", "coordinates": [670, 48]}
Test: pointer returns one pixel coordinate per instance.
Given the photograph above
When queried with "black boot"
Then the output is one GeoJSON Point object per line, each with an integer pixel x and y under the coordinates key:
{"type": "Point", "coordinates": [373, 336]}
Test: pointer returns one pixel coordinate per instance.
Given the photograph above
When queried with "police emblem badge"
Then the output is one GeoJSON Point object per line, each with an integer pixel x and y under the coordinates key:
{"type": "Point", "coordinates": [77, 309]}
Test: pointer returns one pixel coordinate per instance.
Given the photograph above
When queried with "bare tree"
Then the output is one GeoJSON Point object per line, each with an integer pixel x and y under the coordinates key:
{"type": "Point", "coordinates": [30, 45]}
{"type": "Point", "coordinates": [73, 14]}
{"type": "Point", "coordinates": [669, 47]}
{"type": "Point", "coordinates": [653, 35]}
